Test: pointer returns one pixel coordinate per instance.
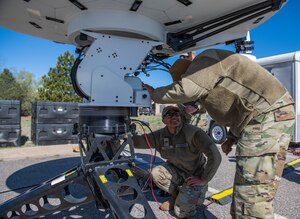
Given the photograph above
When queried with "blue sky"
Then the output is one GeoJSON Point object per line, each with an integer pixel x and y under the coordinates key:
{"type": "Point", "coordinates": [280, 34]}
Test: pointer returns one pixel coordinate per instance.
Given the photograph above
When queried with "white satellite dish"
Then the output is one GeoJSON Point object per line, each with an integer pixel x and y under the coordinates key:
{"type": "Point", "coordinates": [181, 25]}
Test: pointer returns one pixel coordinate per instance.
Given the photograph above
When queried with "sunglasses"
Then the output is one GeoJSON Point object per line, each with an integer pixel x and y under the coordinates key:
{"type": "Point", "coordinates": [171, 114]}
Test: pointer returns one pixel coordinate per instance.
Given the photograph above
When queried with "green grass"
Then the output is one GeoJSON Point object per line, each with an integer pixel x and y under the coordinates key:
{"type": "Point", "coordinates": [155, 123]}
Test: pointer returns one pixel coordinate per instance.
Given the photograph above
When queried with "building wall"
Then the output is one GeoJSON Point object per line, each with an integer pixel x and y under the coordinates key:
{"type": "Point", "coordinates": [159, 108]}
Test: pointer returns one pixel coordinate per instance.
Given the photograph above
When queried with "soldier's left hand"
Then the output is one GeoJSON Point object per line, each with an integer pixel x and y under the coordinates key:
{"type": "Point", "coordinates": [195, 181]}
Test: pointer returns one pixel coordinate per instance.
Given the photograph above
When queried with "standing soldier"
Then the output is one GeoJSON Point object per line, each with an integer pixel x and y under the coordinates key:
{"type": "Point", "coordinates": [240, 94]}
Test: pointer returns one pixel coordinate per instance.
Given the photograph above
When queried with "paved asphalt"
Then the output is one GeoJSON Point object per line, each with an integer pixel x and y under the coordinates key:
{"type": "Point", "coordinates": [23, 167]}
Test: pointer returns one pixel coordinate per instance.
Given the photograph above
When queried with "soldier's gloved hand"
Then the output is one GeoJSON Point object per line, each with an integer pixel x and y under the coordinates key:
{"type": "Point", "coordinates": [195, 181]}
{"type": "Point", "coordinates": [227, 145]}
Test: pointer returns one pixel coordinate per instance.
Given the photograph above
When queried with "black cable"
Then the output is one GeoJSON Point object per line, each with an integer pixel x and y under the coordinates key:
{"type": "Point", "coordinates": [145, 124]}
{"type": "Point", "coordinates": [73, 76]}
{"type": "Point", "coordinates": [20, 188]}
{"type": "Point", "coordinates": [160, 65]}
{"type": "Point", "coordinates": [155, 146]}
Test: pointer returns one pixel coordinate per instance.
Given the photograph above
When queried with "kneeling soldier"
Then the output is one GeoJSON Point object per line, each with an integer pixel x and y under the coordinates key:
{"type": "Point", "coordinates": [192, 161]}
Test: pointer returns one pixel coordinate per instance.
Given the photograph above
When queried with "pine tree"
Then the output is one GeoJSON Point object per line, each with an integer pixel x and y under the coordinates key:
{"type": "Point", "coordinates": [57, 86]}
{"type": "Point", "coordinates": [9, 88]}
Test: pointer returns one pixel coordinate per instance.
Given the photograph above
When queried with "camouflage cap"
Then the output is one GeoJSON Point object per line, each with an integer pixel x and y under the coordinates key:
{"type": "Point", "coordinates": [167, 109]}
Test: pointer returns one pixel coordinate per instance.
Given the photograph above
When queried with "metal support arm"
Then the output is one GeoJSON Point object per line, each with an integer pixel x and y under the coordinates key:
{"type": "Point", "coordinates": [185, 39]}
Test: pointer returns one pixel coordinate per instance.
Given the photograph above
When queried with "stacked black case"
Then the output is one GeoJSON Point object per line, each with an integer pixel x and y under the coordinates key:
{"type": "Point", "coordinates": [52, 123]}
{"type": "Point", "coordinates": [10, 123]}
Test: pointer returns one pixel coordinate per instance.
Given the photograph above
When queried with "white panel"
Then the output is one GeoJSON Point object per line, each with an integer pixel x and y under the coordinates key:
{"type": "Point", "coordinates": [286, 67]}
{"type": "Point", "coordinates": [109, 89]}
{"type": "Point", "coordinates": [117, 20]}
{"type": "Point", "coordinates": [101, 74]}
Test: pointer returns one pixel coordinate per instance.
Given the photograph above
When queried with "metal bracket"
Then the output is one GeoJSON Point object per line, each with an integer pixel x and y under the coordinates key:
{"type": "Point", "coordinates": [185, 39]}
{"type": "Point", "coordinates": [54, 195]}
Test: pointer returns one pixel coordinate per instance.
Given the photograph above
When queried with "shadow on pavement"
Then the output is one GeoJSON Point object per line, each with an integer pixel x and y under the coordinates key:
{"type": "Point", "coordinates": [293, 176]}
{"type": "Point", "coordinates": [29, 176]}
{"type": "Point", "coordinates": [24, 139]}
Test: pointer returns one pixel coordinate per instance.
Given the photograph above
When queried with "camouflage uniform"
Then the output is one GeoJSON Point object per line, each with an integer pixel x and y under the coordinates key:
{"type": "Point", "coordinates": [260, 159]}
{"type": "Point", "coordinates": [167, 178]}
{"type": "Point", "coordinates": [242, 95]}
{"type": "Point", "coordinates": [189, 152]}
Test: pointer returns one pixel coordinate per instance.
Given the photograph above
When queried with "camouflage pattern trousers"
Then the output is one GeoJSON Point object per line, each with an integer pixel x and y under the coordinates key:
{"type": "Point", "coordinates": [261, 155]}
{"type": "Point", "coordinates": [167, 178]}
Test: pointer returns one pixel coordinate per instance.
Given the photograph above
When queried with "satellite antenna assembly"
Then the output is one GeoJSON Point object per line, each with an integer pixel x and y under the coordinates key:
{"type": "Point", "coordinates": [113, 37]}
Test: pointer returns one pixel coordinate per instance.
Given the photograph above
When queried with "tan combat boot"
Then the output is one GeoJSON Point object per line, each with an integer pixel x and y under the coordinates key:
{"type": "Point", "coordinates": [169, 204]}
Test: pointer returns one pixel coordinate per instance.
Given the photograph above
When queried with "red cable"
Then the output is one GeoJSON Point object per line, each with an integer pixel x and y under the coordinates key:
{"type": "Point", "coordinates": [151, 183]}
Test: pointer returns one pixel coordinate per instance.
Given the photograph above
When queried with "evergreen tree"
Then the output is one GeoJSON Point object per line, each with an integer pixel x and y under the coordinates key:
{"type": "Point", "coordinates": [9, 88]}
{"type": "Point", "coordinates": [57, 86]}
